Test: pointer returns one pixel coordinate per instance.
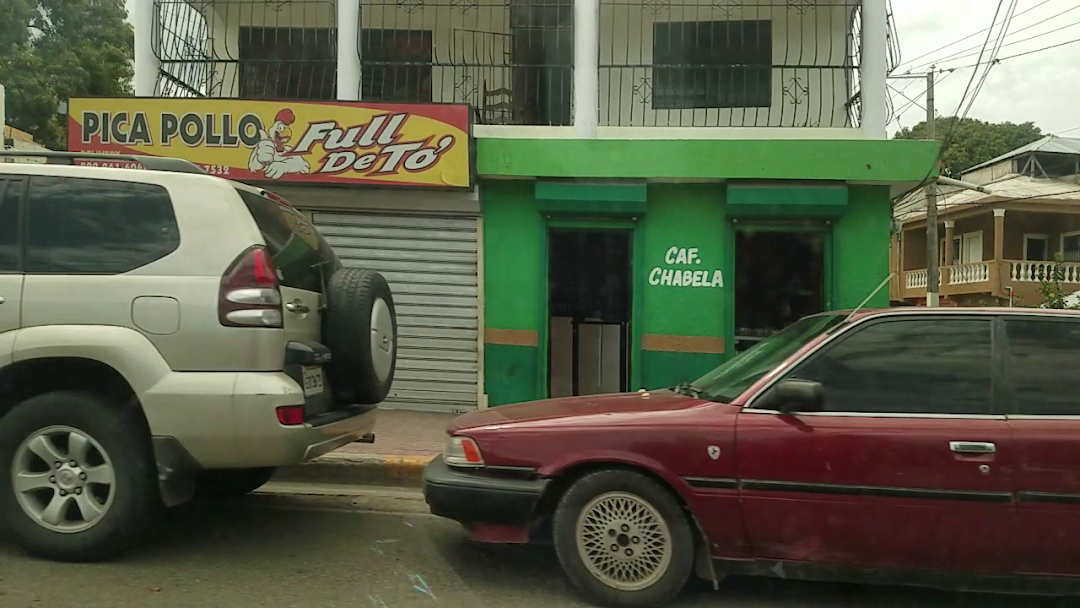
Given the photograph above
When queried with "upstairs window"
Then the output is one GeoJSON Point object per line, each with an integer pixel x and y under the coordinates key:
{"type": "Point", "coordinates": [288, 63]}
{"type": "Point", "coordinates": [395, 65]}
{"type": "Point", "coordinates": [712, 64]}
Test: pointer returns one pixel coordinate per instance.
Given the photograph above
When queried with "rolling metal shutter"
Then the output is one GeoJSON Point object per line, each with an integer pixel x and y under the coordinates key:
{"type": "Point", "coordinates": [431, 265]}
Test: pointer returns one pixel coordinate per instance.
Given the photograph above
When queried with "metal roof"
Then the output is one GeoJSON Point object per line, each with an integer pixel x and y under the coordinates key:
{"type": "Point", "coordinates": [1051, 144]}
{"type": "Point", "coordinates": [1013, 188]}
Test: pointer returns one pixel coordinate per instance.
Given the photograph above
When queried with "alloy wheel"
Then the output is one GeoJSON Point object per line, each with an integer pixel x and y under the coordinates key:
{"type": "Point", "coordinates": [63, 479]}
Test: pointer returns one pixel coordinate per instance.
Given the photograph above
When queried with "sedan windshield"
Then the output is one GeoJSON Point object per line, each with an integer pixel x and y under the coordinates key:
{"type": "Point", "coordinates": [735, 376]}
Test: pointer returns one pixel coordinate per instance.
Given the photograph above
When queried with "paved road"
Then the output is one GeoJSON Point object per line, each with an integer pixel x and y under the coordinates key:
{"type": "Point", "coordinates": [370, 552]}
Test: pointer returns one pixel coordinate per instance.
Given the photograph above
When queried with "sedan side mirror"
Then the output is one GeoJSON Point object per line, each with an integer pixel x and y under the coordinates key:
{"type": "Point", "coordinates": [793, 396]}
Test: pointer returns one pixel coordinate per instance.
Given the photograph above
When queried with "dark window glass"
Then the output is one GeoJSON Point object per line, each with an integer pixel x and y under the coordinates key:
{"type": "Point", "coordinates": [97, 226]}
{"type": "Point", "coordinates": [287, 63]}
{"type": "Point", "coordinates": [1070, 248]}
{"type": "Point", "coordinates": [298, 251]}
{"type": "Point", "coordinates": [1043, 358]}
{"type": "Point", "coordinates": [712, 64]}
{"type": "Point", "coordinates": [911, 366]}
{"type": "Point", "coordinates": [10, 192]}
{"type": "Point", "coordinates": [1035, 249]}
{"type": "Point", "coordinates": [395, 65]}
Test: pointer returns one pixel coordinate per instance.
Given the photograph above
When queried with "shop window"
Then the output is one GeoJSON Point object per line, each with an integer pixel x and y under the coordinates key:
{"type": "Point", "coordinates": [712, 64]}
{"type": "Point", "coordinates": [779, 279]}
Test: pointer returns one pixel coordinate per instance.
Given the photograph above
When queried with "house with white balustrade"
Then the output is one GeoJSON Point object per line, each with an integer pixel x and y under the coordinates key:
{"type": "Point", "coordinates": [997, 248]}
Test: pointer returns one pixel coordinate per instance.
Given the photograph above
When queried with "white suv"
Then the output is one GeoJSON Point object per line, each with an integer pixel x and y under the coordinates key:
{"type": "Point", "coordinates": [165, 333]}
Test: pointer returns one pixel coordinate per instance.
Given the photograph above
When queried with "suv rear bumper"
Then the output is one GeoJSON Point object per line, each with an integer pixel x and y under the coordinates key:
{"type": "Point", "coordinates": [229, 420]}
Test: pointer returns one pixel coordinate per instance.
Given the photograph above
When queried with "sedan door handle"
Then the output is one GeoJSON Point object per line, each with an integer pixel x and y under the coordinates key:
{"type": "Point", "coordinates": [972, 447]}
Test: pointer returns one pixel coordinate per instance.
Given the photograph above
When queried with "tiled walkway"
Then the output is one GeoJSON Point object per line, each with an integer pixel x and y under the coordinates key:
{"type": "Point", "coordinates": [405, 433]}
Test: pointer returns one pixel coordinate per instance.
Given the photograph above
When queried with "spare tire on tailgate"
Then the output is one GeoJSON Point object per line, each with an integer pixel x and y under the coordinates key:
{"type": "Point", "coordinates": [360, 328]}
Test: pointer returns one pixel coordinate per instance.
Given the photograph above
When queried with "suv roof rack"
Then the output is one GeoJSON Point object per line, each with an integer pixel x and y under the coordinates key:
{"type": "Point", "coordinates": [154, 163]}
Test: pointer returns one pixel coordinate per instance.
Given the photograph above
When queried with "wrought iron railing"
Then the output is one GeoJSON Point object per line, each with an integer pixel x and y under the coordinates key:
{"type": "Point", "coordinates": [256, 49]}
{"type": "Point", "coordinates": [511, 60]}
{"type": "Point", "coordinates": [705, 63]}
{"type": "Point", "coordinates": [728, 63]}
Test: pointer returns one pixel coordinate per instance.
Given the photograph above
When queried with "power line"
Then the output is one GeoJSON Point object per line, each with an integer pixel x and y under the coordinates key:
{"type": "Point", "coordinates": [959, 54]}
{"type": "Point", "coordinates": [1024, 54]}
{"type": "Point", "coordinates": [971, 80]}
{"type": "Point", "coordinates": [1015, 42]}
{"type": "Point", "coordinates": [911, 102]}
{"type": "Point", "coordinates": [993, 56]}
{"type": "Point", "coordinates": [969, 36]}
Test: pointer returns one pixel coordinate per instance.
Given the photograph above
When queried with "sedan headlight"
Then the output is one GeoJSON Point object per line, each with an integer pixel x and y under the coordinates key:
{"type": "Point", "coordinates": [462, 452]}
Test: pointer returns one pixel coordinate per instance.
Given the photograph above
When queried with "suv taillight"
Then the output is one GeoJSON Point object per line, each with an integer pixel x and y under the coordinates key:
{"type": "Point", "coordinates": [249, 295]}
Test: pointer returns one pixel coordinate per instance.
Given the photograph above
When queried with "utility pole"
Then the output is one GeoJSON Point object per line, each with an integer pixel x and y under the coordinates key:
{"type": "Point", "coordinates": [932, 270]}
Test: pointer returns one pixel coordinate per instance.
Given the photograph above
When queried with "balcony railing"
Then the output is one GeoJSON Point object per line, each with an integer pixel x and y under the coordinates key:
{"type": "Point", "coordinates": [1014, 280]}
{"type": "Point", "coordinates": [512, 61]}
{"type": "Point", "coordinates": [748, 63]}
{"type": "Point", "coordinates": [966, 274]}
{"type": "Point", "coordinates": [668, 63]}
{"type": "Point", "coordinates": [1036, 272]}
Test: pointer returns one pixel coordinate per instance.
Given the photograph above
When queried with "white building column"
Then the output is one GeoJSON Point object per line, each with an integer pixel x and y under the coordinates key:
{"type": "Point", "coordinates": [874, 60]}
{"type": "Point", "coordinates": [147, 65]}
{"type": "Point", "coordinates": [348, 50]}
{"type": "Point", "coordinates": [586, 67]}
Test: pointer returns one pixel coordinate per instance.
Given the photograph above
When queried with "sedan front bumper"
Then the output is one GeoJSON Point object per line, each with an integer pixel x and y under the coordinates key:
{"type": "Point", "coordinates": [472, 497]}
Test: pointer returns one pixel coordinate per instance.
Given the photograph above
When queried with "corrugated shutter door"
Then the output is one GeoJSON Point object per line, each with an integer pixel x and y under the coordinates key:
{"type": "Point", "coordinates": [430, 263]}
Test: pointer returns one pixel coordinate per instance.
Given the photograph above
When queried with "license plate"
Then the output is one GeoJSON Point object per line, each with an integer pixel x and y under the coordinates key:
{"type": "Point", "coordinates": [313, 381]}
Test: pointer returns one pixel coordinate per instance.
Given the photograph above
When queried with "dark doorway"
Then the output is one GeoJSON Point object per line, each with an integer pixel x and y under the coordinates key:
{"type": "Point", "coordinates": [779, 278]}
{"type": "Point", "coordinates": [590, 295]}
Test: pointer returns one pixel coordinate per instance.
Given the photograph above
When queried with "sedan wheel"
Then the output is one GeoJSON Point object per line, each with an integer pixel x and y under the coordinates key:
{"type": "Point", "coordinates": [623, 539]}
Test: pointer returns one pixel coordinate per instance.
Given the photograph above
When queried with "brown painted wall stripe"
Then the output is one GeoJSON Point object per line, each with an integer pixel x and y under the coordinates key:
{"type": "Point", "coordinates": [682, 344]}
{"type": "Point", "coordinates": [511, 337]}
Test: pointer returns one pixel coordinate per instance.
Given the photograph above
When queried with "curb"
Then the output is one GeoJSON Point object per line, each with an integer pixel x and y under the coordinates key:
{"type": "Point", "coordinates": [358, 469]}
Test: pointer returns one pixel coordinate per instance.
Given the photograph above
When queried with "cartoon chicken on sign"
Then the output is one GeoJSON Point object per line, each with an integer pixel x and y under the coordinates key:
{"type": "Point", "coordinates": [271, 155]}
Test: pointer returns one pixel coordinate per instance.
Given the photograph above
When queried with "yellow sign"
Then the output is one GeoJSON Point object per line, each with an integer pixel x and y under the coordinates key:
{"type": "Point", "coordinates": [418, 145]}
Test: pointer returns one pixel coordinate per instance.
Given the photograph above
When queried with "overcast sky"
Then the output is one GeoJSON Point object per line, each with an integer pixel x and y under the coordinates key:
{"type": "Point", "coordinates": [1043, 87]}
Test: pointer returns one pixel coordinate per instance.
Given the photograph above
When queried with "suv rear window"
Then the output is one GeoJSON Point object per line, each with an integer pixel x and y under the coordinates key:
{"type": "Point", "coordinates": [95, 226]}
{"type": "Point", "coordinates": [298, 251]}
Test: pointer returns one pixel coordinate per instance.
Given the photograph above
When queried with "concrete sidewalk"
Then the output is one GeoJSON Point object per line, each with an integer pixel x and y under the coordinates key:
{"type": "Point", "coordinates": [405, 442]}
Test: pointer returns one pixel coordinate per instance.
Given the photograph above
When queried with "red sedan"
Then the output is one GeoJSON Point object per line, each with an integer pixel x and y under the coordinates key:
{"type": "Point", "coordinates": [920, 446]}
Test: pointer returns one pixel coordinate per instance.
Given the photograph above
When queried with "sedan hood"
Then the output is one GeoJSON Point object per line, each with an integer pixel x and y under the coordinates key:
{"type": "Point", "coordinates": [618, 405]}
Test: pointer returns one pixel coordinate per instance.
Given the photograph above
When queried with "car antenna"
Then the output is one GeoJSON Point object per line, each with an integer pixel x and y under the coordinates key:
{"type": "Point", "coordinates": [872, 294]}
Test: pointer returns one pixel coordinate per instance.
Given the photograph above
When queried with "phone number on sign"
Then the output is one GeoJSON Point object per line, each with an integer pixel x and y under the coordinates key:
{"type": "Point", "coordinates": [130, 164]}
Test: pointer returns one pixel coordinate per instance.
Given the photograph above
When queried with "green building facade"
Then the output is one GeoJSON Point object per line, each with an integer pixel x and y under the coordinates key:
{"type": "Point", "coordinates": [681, 205]}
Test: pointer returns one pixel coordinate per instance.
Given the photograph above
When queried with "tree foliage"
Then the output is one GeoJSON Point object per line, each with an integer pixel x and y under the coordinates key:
{"type": "Point", "coordinates": [51, 50]}
{"type": "Point", "coordinates": [974, 141]}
